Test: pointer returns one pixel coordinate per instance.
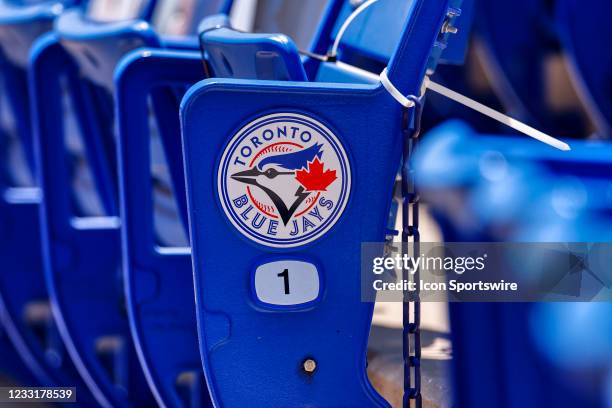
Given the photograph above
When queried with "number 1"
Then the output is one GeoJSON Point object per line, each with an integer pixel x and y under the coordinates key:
{"type": "Point", "coordinates": [285, 275]}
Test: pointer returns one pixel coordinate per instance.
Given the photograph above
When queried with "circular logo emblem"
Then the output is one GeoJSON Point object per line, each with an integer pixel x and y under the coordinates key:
{"type": "Point", "coordinates": [284, 180]}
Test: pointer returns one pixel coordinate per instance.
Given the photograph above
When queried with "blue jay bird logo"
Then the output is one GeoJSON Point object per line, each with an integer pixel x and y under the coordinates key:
{"type": "Point", "coordinates": [284, 179]}
{"type": "Point", "coordinates": [279, 165]}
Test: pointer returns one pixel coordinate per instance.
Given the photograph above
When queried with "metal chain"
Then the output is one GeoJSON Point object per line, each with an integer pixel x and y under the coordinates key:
{"type": "Point", "coordinates": [411, 315]}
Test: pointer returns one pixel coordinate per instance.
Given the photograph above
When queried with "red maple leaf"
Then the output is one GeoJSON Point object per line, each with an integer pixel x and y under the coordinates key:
{"type": "Point", "coordinates": [315, 179]}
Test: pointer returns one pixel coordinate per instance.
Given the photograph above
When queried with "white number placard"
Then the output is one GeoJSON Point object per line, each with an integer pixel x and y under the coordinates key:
{"type": "Point", "coordinates": [287, 283]}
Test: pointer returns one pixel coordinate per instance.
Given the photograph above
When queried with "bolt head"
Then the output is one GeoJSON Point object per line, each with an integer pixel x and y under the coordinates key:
{"type": "Point", "coordinates": [310, 365]}
{"type": "Point", "coordinates": [448, 28]}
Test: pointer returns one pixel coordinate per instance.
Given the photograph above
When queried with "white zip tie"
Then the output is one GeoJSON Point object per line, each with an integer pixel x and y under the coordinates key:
{"type": "Point", "coordinates": [394, 92]}
{"type": "Point", "coordinates": [448, 93]}
{"type": "Point", "coordinates": [346, 24]}
{"type": "Point", "coordinates": [498, 116]}
{"type": "Point", "coordinates": [477, 106]}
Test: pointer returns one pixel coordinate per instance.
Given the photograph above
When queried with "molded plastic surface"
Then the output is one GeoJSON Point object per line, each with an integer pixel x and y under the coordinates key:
{"type": "Point", "coordinates": [83, 250]}
{"type": "Point", "coordinates": [26, 315]}
{"type": "Point", "coordinates": [263, 351]}
{"type": "Point", "coordinates": [98, 47]}
{"type": "Point", "coordinates": [370, 40]}
{"type": "Point", "coordinates": [21, 24]}
{"type": "Point", "coordinates": [81, 253]}
{"type": "Point", "coordinates": [159, 281]}
{"type": "Point", "coordinates": [83, 258]}
{"type": "Point", "coordinates": [272, 57]}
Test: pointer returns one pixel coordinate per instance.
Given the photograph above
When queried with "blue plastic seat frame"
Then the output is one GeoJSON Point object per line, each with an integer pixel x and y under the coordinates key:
{"type": "Point", "coordinates": [495, 361]}
{"type": "Point", "coordinates": [84, 253]}
{"type": "Point", "coordinates": [22, 285]}
{"type": "Point", "coordinates": [159, 281]}
{"type": "Point", "coordinates": [261, 352]}
{"type": "Point", "coordinates": [81, 255]}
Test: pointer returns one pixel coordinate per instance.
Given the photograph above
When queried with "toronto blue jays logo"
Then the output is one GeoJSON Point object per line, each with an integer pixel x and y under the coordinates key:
{"type": "Point", "coordinates": [284, 180]}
